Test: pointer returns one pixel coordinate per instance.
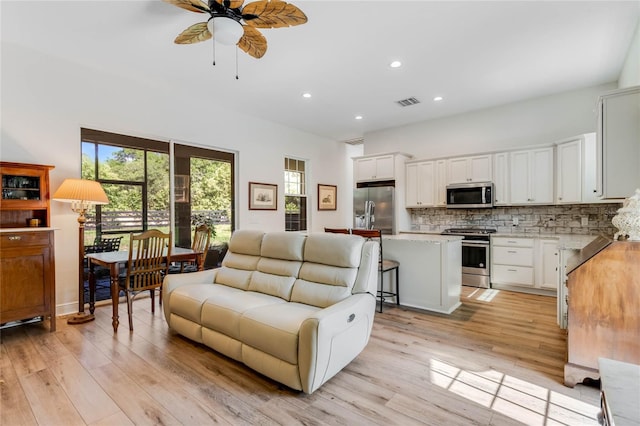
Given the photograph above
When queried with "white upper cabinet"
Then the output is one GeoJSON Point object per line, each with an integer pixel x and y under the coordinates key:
{"type": "Point", "coordinates": [470, 169]}
{"type": "Point", "coordinates": [421, 184]}
{"type": "Point", "coordinates": [569, 172]}
{"type": "Point", "coordinates": [501, 178]}
{"type": "Point", "coordinates": [531, 173]}
{"type": "Point", "coordinates": [374, 168]}
{"type": "Point", "coordinates": [619, 143]}
{"type": "Point", "coordinates": [441, 183]}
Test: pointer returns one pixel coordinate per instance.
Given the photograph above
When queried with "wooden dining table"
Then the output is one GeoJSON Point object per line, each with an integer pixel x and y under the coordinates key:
{"type": "Point", "coordinates": [114, 260]}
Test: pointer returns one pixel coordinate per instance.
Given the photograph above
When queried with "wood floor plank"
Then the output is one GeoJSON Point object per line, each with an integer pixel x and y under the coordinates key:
{"type": "Point", "coordinates": [496, 360]}
{"type": "Point", "coordinates": [49, 402]}
{"type": "Point", "coordinates": [14, 406]}
{"type": "Point", "coordinates": [134, 401]}
{"type": "Point", "coordinates": [22, 352]}
{"type": "Point", "coordinates": [87, 396]}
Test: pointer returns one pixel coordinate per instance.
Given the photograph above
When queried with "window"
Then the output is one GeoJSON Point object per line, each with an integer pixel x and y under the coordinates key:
{"type": "Point", "coordinates": [295, 198]}
{"type": "Point", "coordinates": [134, 173]}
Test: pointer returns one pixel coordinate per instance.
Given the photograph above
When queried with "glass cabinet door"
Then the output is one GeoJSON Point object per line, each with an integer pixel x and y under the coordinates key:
{"type": "Point", "coordinates": [21, 187]}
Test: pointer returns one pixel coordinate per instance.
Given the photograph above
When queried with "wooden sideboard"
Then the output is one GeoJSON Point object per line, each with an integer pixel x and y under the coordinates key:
{"type": "Point", "coordinates": [604, 320]}
{"type": "Point", "coordinates": [27, 258]}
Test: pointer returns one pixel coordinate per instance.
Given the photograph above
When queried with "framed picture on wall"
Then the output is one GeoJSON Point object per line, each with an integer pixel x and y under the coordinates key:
{"type": "Point", "coordinates": [327, 197]}
{"type": "Point", "coordinates": [263, 196]}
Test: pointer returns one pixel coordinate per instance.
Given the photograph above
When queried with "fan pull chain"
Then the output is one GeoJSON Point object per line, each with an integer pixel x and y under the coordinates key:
{"type": "Point", "coordinates": [213, 42]}
{"type": "Point", "coordinates": [237, 78]}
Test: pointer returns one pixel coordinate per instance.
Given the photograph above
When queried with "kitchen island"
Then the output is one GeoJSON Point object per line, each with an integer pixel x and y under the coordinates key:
{"type": "Point", "coordinates": [430, 270]}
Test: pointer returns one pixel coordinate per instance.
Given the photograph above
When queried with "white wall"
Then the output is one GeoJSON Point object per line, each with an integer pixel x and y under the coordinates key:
{"type": "Point", "coordinates": [45, 101]}
{"type": "Point", "coordinates": [630, 75]}
{"type": "Point", "coordinates": [532, 122]}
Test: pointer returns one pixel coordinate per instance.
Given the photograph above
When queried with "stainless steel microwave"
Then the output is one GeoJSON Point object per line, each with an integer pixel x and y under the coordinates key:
{"type": "Point", "coordinates": [470, 195]}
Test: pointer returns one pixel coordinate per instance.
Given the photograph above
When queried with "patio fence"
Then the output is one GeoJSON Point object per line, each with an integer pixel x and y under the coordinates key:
{"type": "Point", "coordinates": [126, 220]}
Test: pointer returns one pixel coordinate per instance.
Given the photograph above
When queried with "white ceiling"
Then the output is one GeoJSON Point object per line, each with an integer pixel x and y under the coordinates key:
{"type": "Point", "coordinates": [476, 54]}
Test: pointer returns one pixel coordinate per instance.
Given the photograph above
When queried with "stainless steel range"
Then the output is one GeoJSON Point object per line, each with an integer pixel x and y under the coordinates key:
{"type": "Point", "coordinates": [475, 255]}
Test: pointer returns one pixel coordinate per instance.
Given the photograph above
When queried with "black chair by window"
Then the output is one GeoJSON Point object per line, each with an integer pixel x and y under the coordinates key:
{"type": "Point", "coordinates": [384, 265]}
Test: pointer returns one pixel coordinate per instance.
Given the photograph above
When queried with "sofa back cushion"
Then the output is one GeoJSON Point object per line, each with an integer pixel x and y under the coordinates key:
{"type": "Point", "coordinates": [329, 270]}
{"type": "Point", "coordinates": [241, 259]}
{"type": "Point", "coordinates": [279, 265]}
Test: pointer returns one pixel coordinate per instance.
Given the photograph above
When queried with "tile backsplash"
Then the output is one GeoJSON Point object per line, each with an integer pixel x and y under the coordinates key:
{"type": "Point", "coordinates": [585, 219]}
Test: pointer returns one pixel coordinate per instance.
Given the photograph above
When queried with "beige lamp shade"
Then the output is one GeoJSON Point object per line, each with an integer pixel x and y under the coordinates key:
{"type": "Point", "coordinates": [81, 190]}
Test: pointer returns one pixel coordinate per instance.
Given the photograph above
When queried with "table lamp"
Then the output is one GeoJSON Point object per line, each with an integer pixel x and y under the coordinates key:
{"type": "Point", "coordinates": [82, 194]}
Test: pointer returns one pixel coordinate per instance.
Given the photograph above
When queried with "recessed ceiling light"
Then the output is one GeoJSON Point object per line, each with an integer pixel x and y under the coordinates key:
{"type": "Point", "coordinates": [395, 64]}
{"type": "Point", "coordinates": [306, 95]}
{"type": "Point", "coordinates": [358, 117]}
{"type": "Point", "coordinates": [437, 98]}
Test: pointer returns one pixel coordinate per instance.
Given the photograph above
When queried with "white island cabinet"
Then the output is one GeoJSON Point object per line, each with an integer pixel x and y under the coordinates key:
{"type": "Point", "coordinates": [430, 270]}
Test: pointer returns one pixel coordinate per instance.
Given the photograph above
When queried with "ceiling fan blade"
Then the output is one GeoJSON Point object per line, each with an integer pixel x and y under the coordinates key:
{"type": "Point", "coordinates": [231, 4]}
{"type": "Point", "coordinates": [272, 14]}
{"type": "Point", "coordinates": [253, 42]}
{"type": "Point", "coordinates": [194, 34]}
{"type": "Point", "coordinates": [199, 6]}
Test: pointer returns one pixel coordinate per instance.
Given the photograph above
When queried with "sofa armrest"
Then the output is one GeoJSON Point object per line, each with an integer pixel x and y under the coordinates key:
{"type": "Point", "coordinates": [332, 338]}
{"type": "Point", "coordinates": [174, 281]}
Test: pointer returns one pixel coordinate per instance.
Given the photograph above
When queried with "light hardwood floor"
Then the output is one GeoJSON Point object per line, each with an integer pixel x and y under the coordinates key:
{"type": "Point", "coordinates": [497, 360]}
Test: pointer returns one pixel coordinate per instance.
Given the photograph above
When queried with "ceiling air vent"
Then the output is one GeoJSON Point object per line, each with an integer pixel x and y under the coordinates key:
{"type": "Point", "coordinates": [356, 141]}
{"type": "Point", "coordinates": [407, 102]}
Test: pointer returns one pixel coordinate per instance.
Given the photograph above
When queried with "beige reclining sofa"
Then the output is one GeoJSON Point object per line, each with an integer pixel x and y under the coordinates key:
{"type": "Point", "coordinates": [296, 308]}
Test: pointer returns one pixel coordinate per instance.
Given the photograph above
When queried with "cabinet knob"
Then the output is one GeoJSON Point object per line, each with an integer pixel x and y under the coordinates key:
{"type": "Point", "coordinates": [559, 198]}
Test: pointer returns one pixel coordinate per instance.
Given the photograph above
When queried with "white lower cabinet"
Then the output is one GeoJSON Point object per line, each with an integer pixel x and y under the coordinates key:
{"type": "Point", "coordinates": [524, 263]}
{"type": "Point", "coordinates": [548, 264]}
{"type": "Point", "coordinates": [512, 261]}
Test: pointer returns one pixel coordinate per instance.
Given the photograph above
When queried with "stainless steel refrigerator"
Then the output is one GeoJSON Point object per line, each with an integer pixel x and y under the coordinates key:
{"type": "Point", "coordinates": [373, 206]}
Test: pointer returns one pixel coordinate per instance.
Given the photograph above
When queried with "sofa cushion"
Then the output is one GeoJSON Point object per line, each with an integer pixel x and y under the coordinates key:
{"type": "Point", "coordinates": [223, 311]}
{"type": "Point", "coordinates": [246, 262]}
{"type": "Point", "coordinates": [283, 245]}
{"type": "Point", "coordinates": [187, 301]}
{"type": "Point", "coordinates": [319, 295]}
{"type": "Point", "coordinates": [273, 329]}
{"type": "Point", "coordinates": [231, 277]}
{"type": "Point", "coordinates": [274, 285]}
{"type": "Point", "coordinates": [286, 268]}
{"type": "Point", "coordinates": [246, 241]}
{"type": "Point", "coordinates": [333, 249]}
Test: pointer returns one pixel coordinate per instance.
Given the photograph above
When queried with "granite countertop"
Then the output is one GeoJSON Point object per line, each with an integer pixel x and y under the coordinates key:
{"type": "Point", "coordinates": [422, 236]}
{"type": "Point", "coordinates": [565, 241]}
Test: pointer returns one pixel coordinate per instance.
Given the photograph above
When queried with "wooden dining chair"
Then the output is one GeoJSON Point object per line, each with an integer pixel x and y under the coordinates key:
{"type": "Point", "coordinates": [384, 265]}
{"type": "Point", "coordinates": [337, 230]}
{"type": "Point", "coordinates": [200, 243]}
{"type": "Point", "coordinates": [149, 253]}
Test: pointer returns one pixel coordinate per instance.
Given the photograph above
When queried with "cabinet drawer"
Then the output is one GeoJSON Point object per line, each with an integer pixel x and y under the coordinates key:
{"type": "Point", "coordinates": [21, 239]}
{"type": "Point", "coordinates": [519, 256]}
{"type": "Point", "coordinates": [512, 242]}
{"type": "Point", "coordinates": [512, 275]}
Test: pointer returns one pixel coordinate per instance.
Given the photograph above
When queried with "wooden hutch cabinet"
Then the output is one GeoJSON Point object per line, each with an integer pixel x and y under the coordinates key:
{"type": "Point", "coordinates": [27, 261]}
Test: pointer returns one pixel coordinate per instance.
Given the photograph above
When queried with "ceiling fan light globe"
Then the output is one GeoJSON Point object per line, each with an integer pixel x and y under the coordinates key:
{"type": "Point", "coordinates": [225, 30]}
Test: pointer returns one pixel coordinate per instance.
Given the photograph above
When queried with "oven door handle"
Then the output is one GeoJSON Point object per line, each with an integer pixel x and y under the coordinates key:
{"type": "Point", "coordinates": [475, 243]}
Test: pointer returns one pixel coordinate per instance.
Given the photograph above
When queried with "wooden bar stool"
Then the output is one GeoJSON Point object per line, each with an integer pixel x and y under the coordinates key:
{"type": "Point", "coordinates": [384, 265]}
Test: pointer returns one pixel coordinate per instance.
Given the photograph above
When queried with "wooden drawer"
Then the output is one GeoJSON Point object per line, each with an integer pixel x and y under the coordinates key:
{"type": "Point", "coordinates": [21, 239]}
{"type": "Point", "coordinates": [518, 256]}
{"type": "Point", "coordinates": [512, 242]}
{"type": "Point", "coordinates": [506, 274]}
